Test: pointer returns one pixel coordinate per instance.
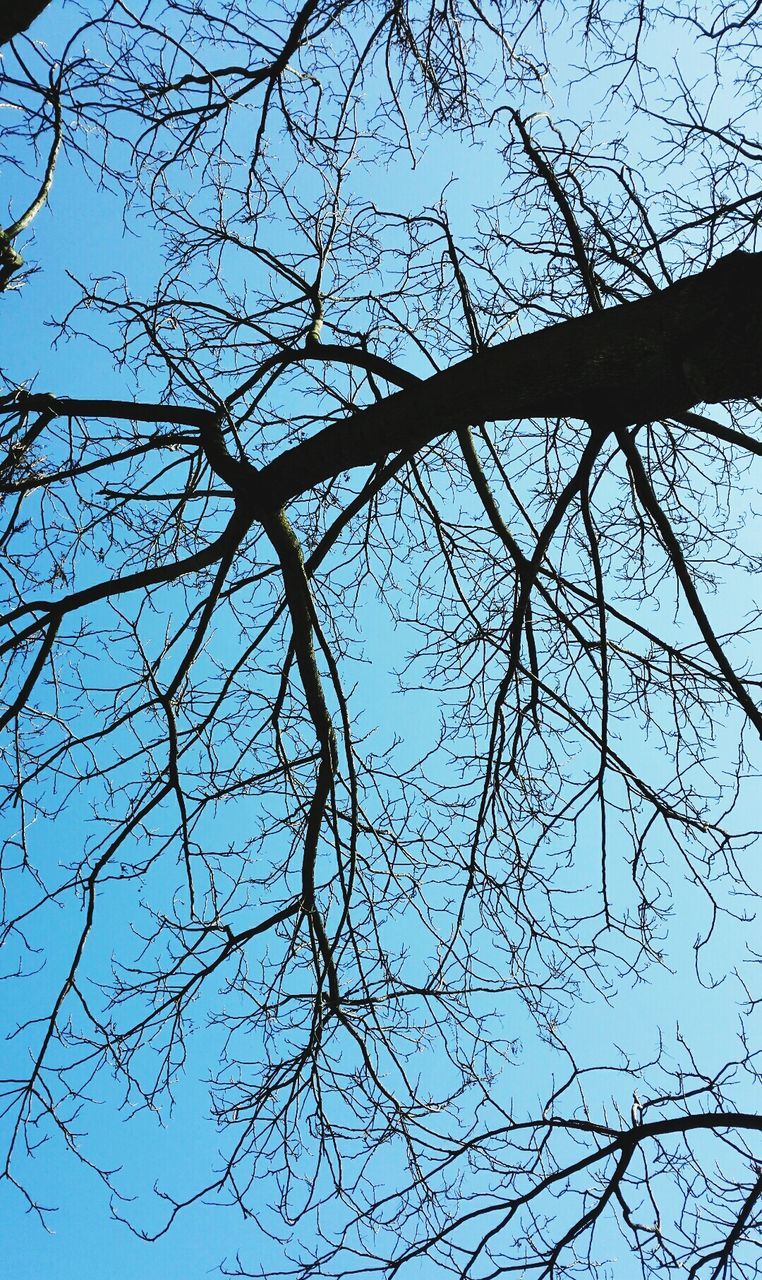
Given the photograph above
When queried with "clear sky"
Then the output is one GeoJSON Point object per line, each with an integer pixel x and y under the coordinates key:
{"type": "Point", "coordinates": [82, 234]}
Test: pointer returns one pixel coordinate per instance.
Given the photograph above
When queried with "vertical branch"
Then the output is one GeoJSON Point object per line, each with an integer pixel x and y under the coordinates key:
{"type": "Point", "coordinates": [286, 545]}
{"type": "Point", "coordinates": [11, 260]}
{"type": "Point", "coordinates": [592, 538]}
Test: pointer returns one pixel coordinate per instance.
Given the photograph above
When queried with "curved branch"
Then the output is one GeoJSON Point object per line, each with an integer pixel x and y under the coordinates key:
{"type": "Point", "coordinates": [10, 259]}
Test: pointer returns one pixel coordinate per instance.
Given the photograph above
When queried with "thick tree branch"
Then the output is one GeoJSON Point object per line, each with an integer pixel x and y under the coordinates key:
{"type": "Point", "coordinates": [698, 340]}
{"type": "Point", "coordinates": [114, 410]}
{"type": "Point", "coordinates": [17, 15]}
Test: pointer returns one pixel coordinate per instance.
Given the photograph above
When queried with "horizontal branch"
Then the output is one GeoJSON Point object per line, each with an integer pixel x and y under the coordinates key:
{"type": "Point", "coordinates": [111, 410]}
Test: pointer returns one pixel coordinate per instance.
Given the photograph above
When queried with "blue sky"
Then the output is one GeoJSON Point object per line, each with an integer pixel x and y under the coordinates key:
{"type": "Point", "coordinates": [82, 233]}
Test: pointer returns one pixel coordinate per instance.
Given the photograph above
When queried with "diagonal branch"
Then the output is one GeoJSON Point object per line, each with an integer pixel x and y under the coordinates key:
{"type": "Point", "coordinates": [655, 511]}
{"type": "Point", "coordinates": [698, 340]}
{"type": "Point", "coordinates": [17, 15]}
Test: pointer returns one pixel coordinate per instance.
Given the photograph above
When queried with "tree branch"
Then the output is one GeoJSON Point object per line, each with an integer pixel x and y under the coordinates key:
{"type": "Point", "coordinates": [697, 340]}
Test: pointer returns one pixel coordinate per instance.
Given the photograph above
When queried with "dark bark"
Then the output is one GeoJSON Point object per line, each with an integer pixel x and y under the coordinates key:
{"type": "Point", "coordinates": [126, 410]}
{"type": "Point", "coordinates": [697, 341]}
{"type": "Point", "coordinates": [17, 15]}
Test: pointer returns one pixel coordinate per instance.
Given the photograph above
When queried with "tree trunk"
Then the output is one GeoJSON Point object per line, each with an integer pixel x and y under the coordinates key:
{"type": "Point", "coordinates": [17, 15]}
{"type": "Point", "coordinates": [699, 340]}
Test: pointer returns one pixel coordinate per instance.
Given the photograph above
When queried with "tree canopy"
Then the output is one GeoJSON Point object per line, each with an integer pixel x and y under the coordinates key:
{"type": "Point", "coordinates": [382, 713]}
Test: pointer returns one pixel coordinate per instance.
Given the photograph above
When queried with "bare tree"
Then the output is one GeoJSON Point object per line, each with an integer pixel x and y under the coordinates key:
{"type": "Point", "coordinates": [517, 431]}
